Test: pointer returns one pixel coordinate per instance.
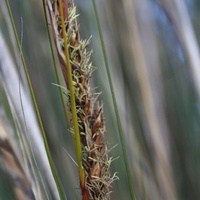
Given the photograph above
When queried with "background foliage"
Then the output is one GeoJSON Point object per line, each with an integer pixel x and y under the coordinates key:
{"type": "Point", "coordinates": [155, 86]}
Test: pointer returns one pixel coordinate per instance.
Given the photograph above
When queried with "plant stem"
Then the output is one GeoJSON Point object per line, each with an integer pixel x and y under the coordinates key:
{"type": "Point", "coordinates": [115, 104]}
{"type": "Point", "coordinates": [73, 108]}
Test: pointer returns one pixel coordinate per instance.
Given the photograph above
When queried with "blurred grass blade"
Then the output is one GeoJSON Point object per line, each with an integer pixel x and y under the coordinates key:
{"type": "Point", "coordinates": [12, 166]}
{"type": "Point", "coordinates": [122, 141]}
{"type": "Point", "coordinates": [30, 137]}
{"type": "Point", "coordinates": [58, 184]}
{"type": "Point", "coordinates": [54, 61]}
{"type": "Point", "coordinates": [179, 15]}
{"type": "Point", "coordinates": [161, 162]}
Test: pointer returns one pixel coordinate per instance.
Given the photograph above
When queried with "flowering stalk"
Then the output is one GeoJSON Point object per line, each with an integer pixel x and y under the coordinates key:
{"type": "Point", "coordinates": [92, 152]}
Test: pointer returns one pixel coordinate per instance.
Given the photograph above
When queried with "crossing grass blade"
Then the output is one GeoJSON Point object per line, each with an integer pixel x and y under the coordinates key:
{"type": "Point", "coordinates": [58, 184]}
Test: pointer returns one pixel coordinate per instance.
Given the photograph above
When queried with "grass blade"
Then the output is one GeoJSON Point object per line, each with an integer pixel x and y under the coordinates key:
{"type": "Point", "coordinates": [58, 184]}
{"type": "Point", "coordinates": [115, 104]}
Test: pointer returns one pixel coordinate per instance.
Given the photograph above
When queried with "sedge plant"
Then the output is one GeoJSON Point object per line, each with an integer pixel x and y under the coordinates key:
{"type": "Point", "coordinates": [87, 121]}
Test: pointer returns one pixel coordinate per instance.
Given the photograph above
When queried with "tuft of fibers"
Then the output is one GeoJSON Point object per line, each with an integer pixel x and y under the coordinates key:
{"type": "Point", "coordinates": [95, 160]}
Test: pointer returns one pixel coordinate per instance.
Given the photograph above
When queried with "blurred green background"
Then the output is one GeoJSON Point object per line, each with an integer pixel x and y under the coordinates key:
{"type": "Point", "coordinates": [150, 56]}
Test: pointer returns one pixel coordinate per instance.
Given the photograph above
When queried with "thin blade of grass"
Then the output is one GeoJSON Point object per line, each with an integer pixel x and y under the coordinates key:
{"type": "Point", "coordinates": [73, 108]}
{"type": "Point", "coordinates": [54, 61]}
{"type": "Point", "coordinates": [121, 135]}
{"type": "Point", "coordinates": [53, 169]}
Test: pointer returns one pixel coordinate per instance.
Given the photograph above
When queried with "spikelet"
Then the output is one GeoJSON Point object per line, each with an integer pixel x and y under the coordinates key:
{"type": "Point", "coordinates": [95, 160]}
